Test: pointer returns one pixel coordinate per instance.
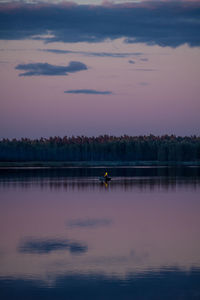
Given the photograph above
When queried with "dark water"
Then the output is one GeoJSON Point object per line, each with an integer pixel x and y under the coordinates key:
{"type": "Point", "coordinates": [64, 235]}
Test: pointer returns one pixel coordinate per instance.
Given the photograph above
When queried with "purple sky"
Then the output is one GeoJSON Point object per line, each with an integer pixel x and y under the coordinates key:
{"type": "Point", "coordinates": [71, 69]}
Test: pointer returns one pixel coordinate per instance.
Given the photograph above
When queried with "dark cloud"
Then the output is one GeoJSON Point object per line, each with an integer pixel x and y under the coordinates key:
{"type": "Point", "coordinates": [131, 61]}
{"type": "Point", "coordinates": [165, 23]}
{"type": "Point", "coordinates": [89, 223]}
{"type": "Point", "coordinates": [167, 283]}
{"type": "Point", "coordinates": [37, 69]}
{"type": "Point", "coordinates": [77, 248]}
{"type": "Point", "coordinates": [58, 51]}
{"type": "Point", "coordinates": [88, 53]}
{"type": "Point", "coordinates": [88, 91]}
{"type": "Point", "coordinates": [44, 246]}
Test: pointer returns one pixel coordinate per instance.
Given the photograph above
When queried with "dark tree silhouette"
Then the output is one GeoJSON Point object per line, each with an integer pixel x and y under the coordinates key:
{"type": "Point", "coordinates": [102, 148]}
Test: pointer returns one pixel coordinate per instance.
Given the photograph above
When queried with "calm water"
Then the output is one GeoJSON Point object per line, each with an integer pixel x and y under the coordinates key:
{"type": "Point", "coordinates": [64, 235]}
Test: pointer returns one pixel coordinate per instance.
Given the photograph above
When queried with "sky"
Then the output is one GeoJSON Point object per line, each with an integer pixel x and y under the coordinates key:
{"type": "Point", "coordinates": [99, 67]}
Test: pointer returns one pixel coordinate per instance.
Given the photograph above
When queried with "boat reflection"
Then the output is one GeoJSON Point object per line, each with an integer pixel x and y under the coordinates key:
{"type": "Point", "coordinates": [119, 183]}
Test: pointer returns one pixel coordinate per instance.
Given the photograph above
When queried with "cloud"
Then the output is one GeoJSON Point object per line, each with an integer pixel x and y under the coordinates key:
{"type": "Point", "coordinates": [45, 246]}
{"type": "Point", "coordinates": [164, 23]}
{"type": "Point", "coordinates": [38, 69]}
{"type": "Point", "coordinates": [144, 59]}
{"type": "Point", "coordinates": [89, 223]}
{"type": "Point", "coordinates": [98, 54]}
{"type": "Point", "coordinates": [88, 91]}
{"type": "Point", "coordinates": [131, 61]}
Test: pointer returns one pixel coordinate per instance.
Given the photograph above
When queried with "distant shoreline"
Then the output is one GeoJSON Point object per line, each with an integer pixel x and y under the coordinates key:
{"type": "Point", "coordinates": [64, 164]}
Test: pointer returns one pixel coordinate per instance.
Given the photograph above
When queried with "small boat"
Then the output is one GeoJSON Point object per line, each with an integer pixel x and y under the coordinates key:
{"type": "Point", "coordinates": [104, 179]}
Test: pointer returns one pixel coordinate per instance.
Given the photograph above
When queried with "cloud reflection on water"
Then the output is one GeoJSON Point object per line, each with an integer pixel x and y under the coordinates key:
{"type": "Point", "coordinates": [151, 246]}
{"type": "Point", "coordinates": [89, 223]}
{"type": "Point", "coordinates": [45, 246]}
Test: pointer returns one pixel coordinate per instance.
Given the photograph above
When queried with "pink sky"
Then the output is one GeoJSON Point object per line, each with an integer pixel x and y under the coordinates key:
{"type": "Point", "coordinates": [164, 100]}
{"type": "Point", "coordinates": [158, 93]}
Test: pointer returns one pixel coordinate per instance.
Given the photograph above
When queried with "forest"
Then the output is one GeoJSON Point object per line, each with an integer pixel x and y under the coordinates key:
{"type": "Point", "coordinates": [166, 148]}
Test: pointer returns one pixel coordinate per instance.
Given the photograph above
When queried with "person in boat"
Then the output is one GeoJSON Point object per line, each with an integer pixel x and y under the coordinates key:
{"type": "Point", "coordinates": [106, 175]}
{"type": "Point", "coordinates": [105, 178]}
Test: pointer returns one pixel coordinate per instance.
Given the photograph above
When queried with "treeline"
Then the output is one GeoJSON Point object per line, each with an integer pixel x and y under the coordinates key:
{"type": "Point", "coordinates": [102, 148]}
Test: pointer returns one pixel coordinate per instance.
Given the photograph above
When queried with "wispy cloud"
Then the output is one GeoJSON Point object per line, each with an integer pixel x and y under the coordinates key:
{"type": "Point", "coordinates": [145, 70]}
{"type": "Point", "coordinates": [98, 54]}
{"type": "Point", "coordinates": [88, 91]}
{"type": "Point", "coordinates": [89, 223]}
{"type": "Point", "coordinates": [44, 246]}
{"type": "Point", "coordinates": [176, 22]}
{"type": "Point", "coordinates": [45, 69]}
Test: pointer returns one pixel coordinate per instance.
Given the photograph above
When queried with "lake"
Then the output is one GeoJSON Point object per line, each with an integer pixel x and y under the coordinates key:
{"type": "Point", "coordinates": [65, 235]}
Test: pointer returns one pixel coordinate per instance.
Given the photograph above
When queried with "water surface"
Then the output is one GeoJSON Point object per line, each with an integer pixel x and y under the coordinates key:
{"type": "Point", "coordinates": [64, 235]}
